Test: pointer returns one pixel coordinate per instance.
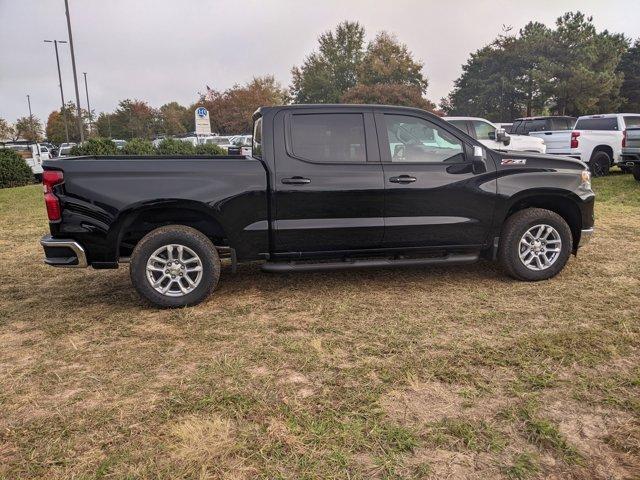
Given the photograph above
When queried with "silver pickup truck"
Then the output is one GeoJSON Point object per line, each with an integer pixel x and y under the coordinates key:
{"type": "Point", "coordinates": [630, 157]}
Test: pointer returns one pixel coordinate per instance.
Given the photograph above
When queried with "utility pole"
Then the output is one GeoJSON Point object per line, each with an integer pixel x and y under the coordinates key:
{"type": "Point", "coordinates": [86, 89]}
{"type": "Point", "coordinates": [30, 115]}
{"type": "Point", "coordinates": [63, 111]}
{"type": "Point", "coordinates": [75, 75]}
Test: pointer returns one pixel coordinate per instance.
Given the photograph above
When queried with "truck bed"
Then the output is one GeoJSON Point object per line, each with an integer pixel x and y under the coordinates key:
{"type": "Point", "coordinates": [102, 193]}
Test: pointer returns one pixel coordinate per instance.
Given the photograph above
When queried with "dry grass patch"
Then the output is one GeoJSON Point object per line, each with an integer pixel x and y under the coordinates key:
{"type": "Point", "coordinates": [414, 373]}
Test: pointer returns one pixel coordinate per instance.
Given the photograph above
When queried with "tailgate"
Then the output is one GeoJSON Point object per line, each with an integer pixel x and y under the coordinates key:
{"type": "Point", "coordinates": [555, 140]}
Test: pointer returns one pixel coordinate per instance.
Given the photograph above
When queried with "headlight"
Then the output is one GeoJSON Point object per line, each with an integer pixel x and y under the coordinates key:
{"type": "Point", "coordinates": [585, 176]}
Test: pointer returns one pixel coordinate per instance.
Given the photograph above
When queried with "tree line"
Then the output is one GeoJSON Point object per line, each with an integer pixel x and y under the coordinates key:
{"type": "Point", "coordinates": [567, 69]}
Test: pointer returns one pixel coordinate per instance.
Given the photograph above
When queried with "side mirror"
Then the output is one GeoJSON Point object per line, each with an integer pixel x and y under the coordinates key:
{"type": "Point", "coordinates": [502, 136]}
{"type": "Point", "coordinates": [478, 162]}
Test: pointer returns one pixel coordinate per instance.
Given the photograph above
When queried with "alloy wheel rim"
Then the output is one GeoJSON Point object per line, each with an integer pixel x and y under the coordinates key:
{"type": "Point", "coordinates": [540, 247]}
{"type": "Point", "coordinates": [174, 270]}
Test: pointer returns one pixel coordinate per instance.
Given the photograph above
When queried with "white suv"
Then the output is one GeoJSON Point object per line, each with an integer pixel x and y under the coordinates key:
{"type": "Point", "coordinates": [597, 140]}
{"type": "Point", "coordinates": [490, 135]}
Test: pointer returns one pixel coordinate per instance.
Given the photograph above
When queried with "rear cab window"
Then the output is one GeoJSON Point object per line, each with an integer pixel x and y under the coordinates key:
{"type": "Point", "coordinates": [631, 121]}
{"type": "Point", "coordinates": [328, 137]}
{"type": "Point", "coordinates": [256, 149]}
{"type": "Point", "coordinates": [601, 123]}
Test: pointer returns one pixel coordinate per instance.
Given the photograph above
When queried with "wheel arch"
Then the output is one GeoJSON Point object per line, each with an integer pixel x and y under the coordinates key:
{"type": "Point", "coordinates": [136, 221]}
{"type": "Point", "coordinates": [557, 202]}
{"type": "Point", "coordinates": [603, 148]}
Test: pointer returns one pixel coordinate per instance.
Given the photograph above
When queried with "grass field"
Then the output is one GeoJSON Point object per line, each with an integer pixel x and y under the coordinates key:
{"type": "Point", "coordinates": [416, 373]}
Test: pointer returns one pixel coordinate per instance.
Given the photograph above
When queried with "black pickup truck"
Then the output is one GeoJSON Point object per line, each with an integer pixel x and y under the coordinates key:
{"type": "Point", "coordinates": [327, 186]}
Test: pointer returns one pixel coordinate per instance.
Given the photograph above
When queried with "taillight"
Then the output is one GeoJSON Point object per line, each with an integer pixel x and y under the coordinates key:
{"type": "Point", "coordinates": [624, 139]}
{"type": "Point", "coordinates": [50, 178]}
{"type": "Point", "coordinates": [574, 139]}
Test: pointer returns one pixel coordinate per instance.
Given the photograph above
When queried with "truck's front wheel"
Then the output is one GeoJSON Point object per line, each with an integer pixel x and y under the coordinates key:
{"type": "Point", "coordinates": [535, 244]}
{"type": "Point", "coordinates": [175, 266]}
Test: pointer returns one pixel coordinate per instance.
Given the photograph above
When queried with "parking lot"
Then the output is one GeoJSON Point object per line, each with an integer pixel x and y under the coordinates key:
{"type": "Point", "coordinates": [443, 373]}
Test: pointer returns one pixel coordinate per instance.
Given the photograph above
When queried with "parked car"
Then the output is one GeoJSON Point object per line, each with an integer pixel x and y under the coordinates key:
{"type": "Point", "coordinates": [552, 130]}
{"type": "Point", "coordinates": [496, 138]}
{"type": "Point", "coordinates": [333, 186]}
{"type": "Point", "coordinates": [630, 157]}
{"type": "Point", "coordinates": [527, 125]}
{"type": "Point", "coordinates": [226, 144]}
{"type": "Point", "coordinates": [596, 140]}
{"type": "Point", "coordinates": [242, 141]}
{"type": "Point", "coordinates": [119, 143]}
{"type": "Point", "coordinates": [65, 149]}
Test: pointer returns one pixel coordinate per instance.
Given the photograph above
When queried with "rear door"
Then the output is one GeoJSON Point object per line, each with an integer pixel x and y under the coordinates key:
{"type": "Point", "coordinates": [433, 197]}
{"type": "Point", "coordinates": [329, 190]}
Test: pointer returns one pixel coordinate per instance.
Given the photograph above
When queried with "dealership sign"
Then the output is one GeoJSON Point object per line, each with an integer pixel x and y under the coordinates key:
{"type": "Point", "coordinates": [203, 125]}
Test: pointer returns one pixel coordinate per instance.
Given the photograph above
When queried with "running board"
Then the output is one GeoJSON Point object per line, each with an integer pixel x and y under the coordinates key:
{"type": "Point", "coordinates": [454, 259]}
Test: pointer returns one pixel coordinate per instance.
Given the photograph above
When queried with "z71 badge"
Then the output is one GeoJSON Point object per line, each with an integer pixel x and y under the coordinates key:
{"type": "Point", "coordinates": [513, 161]}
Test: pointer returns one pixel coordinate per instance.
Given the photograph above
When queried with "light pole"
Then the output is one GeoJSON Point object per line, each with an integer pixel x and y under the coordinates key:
{"type": "Point", "coordinates": [86, 89]}
{"type": "Point", "coordinates": [75, 75]}
{"type": "Point", "coordinates": [63, 111]}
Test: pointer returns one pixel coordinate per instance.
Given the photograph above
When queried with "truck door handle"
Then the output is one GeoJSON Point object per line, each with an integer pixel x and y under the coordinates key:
{"type": "Point", "coordinates": [296, 181]}
{"type": "Point", "coordinates": [403, 179]}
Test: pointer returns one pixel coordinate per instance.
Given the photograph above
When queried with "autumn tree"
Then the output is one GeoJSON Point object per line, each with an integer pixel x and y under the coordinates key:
{"type": "Point", "coordinates": [29, 128]}
{"type": "Point", "coordinates": [231, 111]}
{"type": "Point", "coordinates": [6, 130]}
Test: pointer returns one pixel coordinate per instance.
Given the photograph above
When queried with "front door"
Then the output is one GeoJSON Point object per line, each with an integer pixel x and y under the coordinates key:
{"type": "Point", "coordinates": [433, 194]}
{"type": "Point", "coordinates": [328, 181]}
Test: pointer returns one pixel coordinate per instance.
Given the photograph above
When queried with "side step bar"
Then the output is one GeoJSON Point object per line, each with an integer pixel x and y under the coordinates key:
{"type": "Point", "coordinates": [453, 259]}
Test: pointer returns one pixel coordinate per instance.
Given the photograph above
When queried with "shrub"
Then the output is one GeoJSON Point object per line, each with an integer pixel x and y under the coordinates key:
{"type": "Point", "coordinates": [95, 146]}
{"type": "Point", "coordinates": [210, 149]}
{"type": "Point", "coordinates": [14, 171]}
{"type": "Point", "coordinates": [172, 146]}
{"type": "Point", "coordinates": [138, 146]}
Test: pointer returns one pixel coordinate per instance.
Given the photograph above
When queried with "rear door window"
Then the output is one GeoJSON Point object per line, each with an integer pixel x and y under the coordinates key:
{"type": "Point", "coordinates": [328, 137]}
{"type": "Point", "coordinates": [609, 123]}
{"type": "Point", "coordinates": [630, 121]}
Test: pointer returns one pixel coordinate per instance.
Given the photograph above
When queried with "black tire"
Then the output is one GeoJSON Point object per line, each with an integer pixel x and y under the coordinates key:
{"type": "Point", "coordinates": [180, 235]}
{"type": "Point", "coordinates": [512, 232]}
{"type": "Point", "coordinates": [599, 164]}
{"type": "Point", "coordinates": [635, 170]}
{"type": "Point", "coordinates": [625, 169]}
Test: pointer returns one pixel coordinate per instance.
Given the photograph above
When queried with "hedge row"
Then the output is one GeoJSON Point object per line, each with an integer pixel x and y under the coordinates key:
{"type": "Point", "coordinates": [14, 171]}
{"type": "Point", "coordinates": [139, 146]}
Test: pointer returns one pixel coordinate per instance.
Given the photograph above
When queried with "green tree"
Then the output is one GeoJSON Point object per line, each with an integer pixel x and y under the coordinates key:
{"type": "Point", "coordinates": [174, 119]}
{"type": "Point", "coordinates": [138, 146]}
{"type": "Point", "coordinates": [327, 74]}
{"type": "Point", "coordinates": [95, 146]}
{"type": "Point", "coordinates": [132, 118]}
{"type": "Point", "coordinates": [392, 94]}
{"type": "Point", "coordinates": [29, 128]}
{"type": "Point", "coordinates": [55, 130]}
{"type": "Point", "coordinates": [630, 67]}
{"type": "Point", "coordinates": [570, 70]}
{"type": "Point", "coordinates": [389, 62]}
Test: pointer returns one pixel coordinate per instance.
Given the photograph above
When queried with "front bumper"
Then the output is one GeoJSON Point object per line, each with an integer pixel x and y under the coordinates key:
{"type": "Point", "coordinates": [66, 253]}
{"type": "Point", "coordinates": [585, 236]}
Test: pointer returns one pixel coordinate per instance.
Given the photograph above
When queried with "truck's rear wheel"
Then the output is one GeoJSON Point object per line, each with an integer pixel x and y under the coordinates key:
{"type": "Point", "coordinates": [535, 244]}
{"type": "Point", "coordinates": [599, 164]}
{"type": "Point", "coordinates": [175, 266]}
{"type": "Point", "coordinates": [636, 172]}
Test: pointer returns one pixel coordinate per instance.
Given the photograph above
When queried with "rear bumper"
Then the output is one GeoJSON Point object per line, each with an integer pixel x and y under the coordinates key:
{"type": "Point", "coordinates": [585, 236]}
{"type": "Point", "coordinates": [66, 253]}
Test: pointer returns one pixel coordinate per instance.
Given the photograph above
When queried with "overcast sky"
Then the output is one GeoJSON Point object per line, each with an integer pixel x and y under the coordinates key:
{"type": "Point", "coordinates": [164, 50]}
